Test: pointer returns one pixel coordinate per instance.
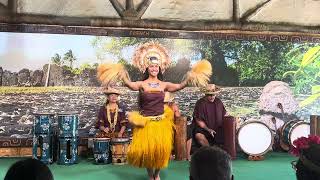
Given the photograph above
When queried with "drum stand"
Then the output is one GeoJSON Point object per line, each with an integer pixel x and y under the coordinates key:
{"type": "Point", "coordinates": [255, 157]}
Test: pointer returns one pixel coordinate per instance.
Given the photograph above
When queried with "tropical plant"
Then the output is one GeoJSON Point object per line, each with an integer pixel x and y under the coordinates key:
{"type": "Point", "coordinates": [82, 68]}
{"type": "Point", "coordinates": [70, 58]}
{"type": "Point", "coordinates": [307, 75]}
{"type": "Point", "coordinates": [56, 59]}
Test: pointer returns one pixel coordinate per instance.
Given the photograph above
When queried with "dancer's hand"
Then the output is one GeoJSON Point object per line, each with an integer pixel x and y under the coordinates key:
{"type": "Point", "coordinates": [120, 135]}
{"type": "Point", "coordinates": [124, 76]}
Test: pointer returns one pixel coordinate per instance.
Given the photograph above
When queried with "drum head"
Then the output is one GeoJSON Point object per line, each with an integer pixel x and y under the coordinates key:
{"type": "Point", "coordinates": [255, 138]}
{"type": "Point", "coordinates": [300, 130]}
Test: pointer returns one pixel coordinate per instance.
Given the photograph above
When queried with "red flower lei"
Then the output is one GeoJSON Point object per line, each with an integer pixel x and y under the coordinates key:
{"type": "Point", "coordinates": [303, 143]}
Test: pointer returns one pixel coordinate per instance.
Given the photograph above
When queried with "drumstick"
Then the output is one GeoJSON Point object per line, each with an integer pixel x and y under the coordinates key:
{"type": "Point", "coordinates": [280, 106]}
{"type": "Point", "coordinates": [274, 121]}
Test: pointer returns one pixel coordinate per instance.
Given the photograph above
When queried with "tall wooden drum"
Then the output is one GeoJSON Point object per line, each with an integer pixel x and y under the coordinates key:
{"type": "Point", "coordinates": [180, 139]}
{"type": "Point", "coordinates": [119, 149]}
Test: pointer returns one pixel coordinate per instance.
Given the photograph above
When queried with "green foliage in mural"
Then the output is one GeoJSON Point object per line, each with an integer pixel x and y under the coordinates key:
{"type": "Point", "coordinates": [306, 77]}
{"type": "Point", "coordinates": [262, 62]}
{"type": "Point", "coordinates": [255, 63]}
{"type": "Point", "coordinates": [235, 63]}
{"type": "Point", "coordinates": [82, 68]}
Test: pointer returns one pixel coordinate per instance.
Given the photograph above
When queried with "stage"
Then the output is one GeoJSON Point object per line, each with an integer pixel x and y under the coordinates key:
{"type": "Point", "coordinates": [275, 166]}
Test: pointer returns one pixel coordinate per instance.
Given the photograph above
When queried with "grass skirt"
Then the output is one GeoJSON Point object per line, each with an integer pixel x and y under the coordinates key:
{"type": "Point", "coordinates": [152, 144]}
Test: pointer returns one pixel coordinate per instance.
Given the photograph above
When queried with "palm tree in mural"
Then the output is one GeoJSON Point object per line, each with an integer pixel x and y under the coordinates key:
{"type": "Point", "coordinates": [56, 59]}
{"type": "Point", "coordinates": [69, 57]}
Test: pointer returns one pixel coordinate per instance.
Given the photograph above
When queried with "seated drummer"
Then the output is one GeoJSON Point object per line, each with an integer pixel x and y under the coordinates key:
{"type": "Point", "coordinates": [112, 120]}
{"type": "Point", "coordinates": [208, 118]}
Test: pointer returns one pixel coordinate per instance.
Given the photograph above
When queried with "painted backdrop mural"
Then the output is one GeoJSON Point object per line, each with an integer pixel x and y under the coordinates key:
{"type": "Point", "coordinates": [53, 72]}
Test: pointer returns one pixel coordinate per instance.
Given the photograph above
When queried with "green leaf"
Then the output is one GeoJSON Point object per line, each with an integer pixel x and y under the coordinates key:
{"type": "Point", "coordinates": [288, 73]}
{"type": "Point", "coordinates": [310, 56]}
{"type": "Point", "coordinates": [316, 89]}
{"type": "Point", "coordinates": [309, 100]}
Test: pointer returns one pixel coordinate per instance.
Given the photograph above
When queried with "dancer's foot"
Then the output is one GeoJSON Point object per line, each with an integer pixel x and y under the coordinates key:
{"type": "Point", "coordinates": [157, 178]}
{"type": "Point", "coordinates": [151, 178]}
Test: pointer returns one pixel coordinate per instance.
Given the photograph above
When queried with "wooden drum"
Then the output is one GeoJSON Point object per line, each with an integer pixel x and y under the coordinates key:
{"type": "Point", "coordinates": [119, 149]}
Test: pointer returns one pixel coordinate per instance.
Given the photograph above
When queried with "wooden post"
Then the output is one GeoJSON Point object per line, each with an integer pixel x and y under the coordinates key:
{"type": "Point", "coordinates": [180, 138]}
{"type": "Point", "coordinates": [229, 130]}
{"type": "Point", "coordinates": [48, 74]}
{"type": "Point", "coordinates": [315, 125]}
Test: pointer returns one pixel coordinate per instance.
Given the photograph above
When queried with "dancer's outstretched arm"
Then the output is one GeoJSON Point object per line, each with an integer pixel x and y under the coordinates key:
{"type": "Point", "coordinates": [135, 86]}
{"type": "Point", "coordinates": [172, 87]}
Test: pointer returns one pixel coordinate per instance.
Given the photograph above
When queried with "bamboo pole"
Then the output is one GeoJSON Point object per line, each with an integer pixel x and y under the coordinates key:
{"type": "Point", "coordinates": [48, 74]}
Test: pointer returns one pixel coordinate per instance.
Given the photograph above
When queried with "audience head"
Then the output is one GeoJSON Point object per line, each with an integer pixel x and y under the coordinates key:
{"type": "Point", "coordinates": [210, 163]}
{"type": "Point", "coordinates": [29, 169]}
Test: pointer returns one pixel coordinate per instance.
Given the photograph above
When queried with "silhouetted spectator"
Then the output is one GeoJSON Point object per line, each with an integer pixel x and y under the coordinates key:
{"type": "Point", "coordinates": [210, 163]}
{"type": "Point", "coordinates": [29, 169]}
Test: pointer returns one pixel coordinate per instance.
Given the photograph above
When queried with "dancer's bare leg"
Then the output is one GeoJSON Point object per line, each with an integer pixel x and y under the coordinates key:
{"type": "Point", "coordinates": [157, 174]}
{"type": "Point", "coordinates": [150, 174]}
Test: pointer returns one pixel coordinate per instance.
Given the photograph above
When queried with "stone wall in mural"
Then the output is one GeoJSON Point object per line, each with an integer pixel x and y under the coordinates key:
{"type": "Point", "coordinates": [16, 108]}
{"type": "Point", "coordinates": [58, 77]}
{"type": "Point", "coordinates": [55, 73]}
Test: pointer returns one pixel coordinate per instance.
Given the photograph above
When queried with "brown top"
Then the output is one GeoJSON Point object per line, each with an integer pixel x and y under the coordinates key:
{"type": "Point", "coordinates": [151, 103]}
{"type": "Point", "coordinates": [211, 113]}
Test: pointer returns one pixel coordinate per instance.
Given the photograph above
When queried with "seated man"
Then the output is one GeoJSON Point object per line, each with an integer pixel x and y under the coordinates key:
{"type": "Point", "coordinates": [210, 163]}
{"type": "Point", "coordinates": [208, 117]}
{"type": "Point", "coordinates": [29, 169]}
{"type": "Point", "coordinates": [112, 118]}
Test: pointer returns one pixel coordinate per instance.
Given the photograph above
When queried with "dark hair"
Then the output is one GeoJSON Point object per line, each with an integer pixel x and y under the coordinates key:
{"type": "Point", "coordinates": [310, 159]}
{"type": "Point", "coordinates": [210, 163]}
{"type": "Point", "coordinates": [29, 169]}
{"type": "Point", "coordinates": [146, 75]}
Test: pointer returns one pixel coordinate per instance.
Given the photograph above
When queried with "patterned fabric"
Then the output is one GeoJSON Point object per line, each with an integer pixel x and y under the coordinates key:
{"type": "Point", "coordinates": [15, 142]}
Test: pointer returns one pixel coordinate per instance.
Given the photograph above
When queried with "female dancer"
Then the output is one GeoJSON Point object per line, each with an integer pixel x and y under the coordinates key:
{"type": "Point", "coordinates": [153, 133]}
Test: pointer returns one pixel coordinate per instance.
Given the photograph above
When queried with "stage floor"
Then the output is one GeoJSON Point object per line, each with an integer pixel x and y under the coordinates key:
{"type": "Point", "coordinates": [275, 166]}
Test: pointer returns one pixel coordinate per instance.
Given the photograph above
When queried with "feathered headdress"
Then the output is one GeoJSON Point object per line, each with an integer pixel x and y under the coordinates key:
{"type": "Point", "coordinates": [151, 53]}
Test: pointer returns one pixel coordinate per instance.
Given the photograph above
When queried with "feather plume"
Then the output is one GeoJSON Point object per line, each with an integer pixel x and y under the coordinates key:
{"type": "Point", "coordinates": [107, 73]}
{"type": "Point", "coordinates": [200, 73]}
